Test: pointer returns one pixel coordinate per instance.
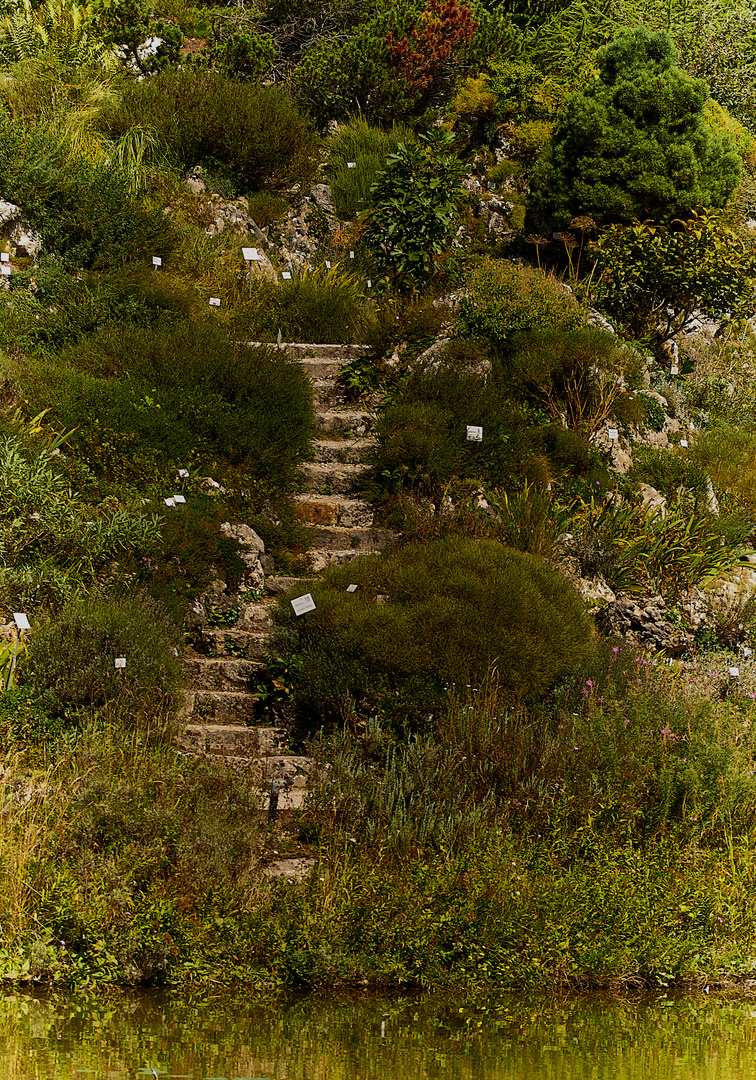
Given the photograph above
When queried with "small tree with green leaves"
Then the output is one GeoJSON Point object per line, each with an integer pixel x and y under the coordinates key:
{"type": "Point", "coordinates": [656, 278]}
{"type": "Point", "coordinates": [415, 202]}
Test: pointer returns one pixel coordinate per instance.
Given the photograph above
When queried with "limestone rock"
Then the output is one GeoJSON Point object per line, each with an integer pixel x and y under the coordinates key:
{"type": "Point", "coordinates": [322, 196]}
{"type": "Point", "coordinates": [644, 620]}
{"type": "Point", "coordinates": [251, 549]}
{"type": "Point", "coordinates": [653, 502]}
{"type": "Point", "coordinates": [8, 212]}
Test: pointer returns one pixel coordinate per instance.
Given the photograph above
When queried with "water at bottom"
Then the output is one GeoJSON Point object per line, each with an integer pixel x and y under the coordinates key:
{"type": "Point", "coordinates": [509, 1036]}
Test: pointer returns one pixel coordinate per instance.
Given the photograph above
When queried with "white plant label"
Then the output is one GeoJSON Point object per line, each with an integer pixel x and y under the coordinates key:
{"type": "Point", "coordinates": [214, 301]}
{"type": "Point", "coordinates": [169, 502]}
{"type": "Point", "coordinates": [351, 164]}
{"type": "Point", "coordinates": [184, 474]}
{"type": "Point", "coordinates": [613, 433]}
{"type": "Point", "coordinates": [328, 265]}
{"type": "Point", "coordinates": [303, 604]}
{"type": "Point", "coordinates": [684, 443]}
{"type": "Point", "coordinates": [351, 254]}
{"type": "Point", "coordinates": [674, 370]}
{"type": "Point", "coordinates": [747, 651]}
{"type": "Point", "coordinates": [286, 275]}
{"type": "Point", "coordinates": [5, 270]}
{"type": "Point", "coordinates": [734, 672]}
{"type": "Point", "coordinates": [691, 426]}
{"type": "Point", "coordinates": [474, 433]}
{"type": "Point", "coordinates": [120, 663]}
{"type": "Point", "coordinates": [250, 254]}
{"type": "Point", "coordinates": [370, 284]}
{"type": "Point", "coordinates": [21, 619]}
{"type": "Point", "coordinates": [178, 499]}
{"type": "Point", "coordinates": [351, 588]}
{"type": "Point", "coordinates": [4, 256]}
{"type": "Point", "coordinates": [156, 260]}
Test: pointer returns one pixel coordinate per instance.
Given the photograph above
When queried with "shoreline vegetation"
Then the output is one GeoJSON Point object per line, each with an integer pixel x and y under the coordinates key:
{"type": "Point", "coordinates": [532, 720]}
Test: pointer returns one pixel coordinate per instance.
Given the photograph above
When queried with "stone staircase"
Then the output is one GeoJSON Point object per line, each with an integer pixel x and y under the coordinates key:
{"type": "Point", "coordinates": [224, 663]}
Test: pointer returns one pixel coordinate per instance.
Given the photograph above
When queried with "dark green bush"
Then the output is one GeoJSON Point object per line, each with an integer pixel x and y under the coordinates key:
{"type": "Point", "coordinates": [425, 617]}
{"type": "Point", "coordinates": [502, 299]}
{"type": "Point", "coordinates": [256, 131]}
{"type": "Point", "coordinates": [72, 655]}
{"type": "Point", "coordinates": [250, 406]}
{"type": "Point", "coordinates": [634, 143]}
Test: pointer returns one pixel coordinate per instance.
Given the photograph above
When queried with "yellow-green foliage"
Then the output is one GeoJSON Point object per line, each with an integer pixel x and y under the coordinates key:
{"type": "Point", "coordinates": [425, 616]}
{"type": "Point", "coordinates": [728, 454]}
{"type": "Point", "coordinates": [720, 122]}
{"type": "Point", "coordinates": [502, 299]}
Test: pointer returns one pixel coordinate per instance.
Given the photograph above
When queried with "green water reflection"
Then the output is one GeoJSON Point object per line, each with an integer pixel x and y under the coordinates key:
{"type": "Point", "coordinates": [513, 1037]}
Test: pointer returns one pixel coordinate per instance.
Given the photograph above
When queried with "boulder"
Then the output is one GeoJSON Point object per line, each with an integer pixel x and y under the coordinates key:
{"type": "Point", "coordinates": [644, 620]}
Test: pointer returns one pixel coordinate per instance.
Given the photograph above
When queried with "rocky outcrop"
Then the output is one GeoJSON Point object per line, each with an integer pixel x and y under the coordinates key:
{"type": "Point", "coordinates": [643, 619]}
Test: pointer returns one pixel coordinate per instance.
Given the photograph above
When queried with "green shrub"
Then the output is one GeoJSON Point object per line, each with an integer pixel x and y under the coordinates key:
{"type": "Point", "coordinates": [425, 617]}
{"type": "Point", "coordinates": [414, 204]}
{"type": "Point", "coordinates": [634, 143]}
{"type": "Point", "coordinates": [502, 299]}
{"type": "Point", "coordinates": [366, 146]}
{"type": "Point", "coordinates": [72, 655]}
{"type": "Point", "coordinates": [250, 406]}
{"type": "Point", "coordinates": [256, 131]}
{"type": "Point", "coordinates": [86, 213]}
{"type": "Point", "coordinates": [320, 306]}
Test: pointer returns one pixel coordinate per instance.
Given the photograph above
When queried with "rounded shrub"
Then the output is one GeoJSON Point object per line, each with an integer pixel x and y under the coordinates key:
{"type": "Point", "coordinates": [427, 616]}
{"type": "Point", "coordinates": [72, 654]}
{"type": "Point", "coordinates": [502, 299]}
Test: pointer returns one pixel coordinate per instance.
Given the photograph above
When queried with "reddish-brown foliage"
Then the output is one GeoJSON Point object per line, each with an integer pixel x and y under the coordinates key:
{"type": "Point", "coordinates": [422, 59]}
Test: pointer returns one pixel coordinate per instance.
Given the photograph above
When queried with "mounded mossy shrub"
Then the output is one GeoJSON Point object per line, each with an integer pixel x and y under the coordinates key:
{"type": "Point", "coordinates": [195, 116]}
{"type": "Point", "coordinates": [427, 616]}
{"type": "Point", "coordinates": [502, 299]}
{"type": "Point", "coordinates": [72, 654]}
{"type": "Point", "coordinates": [163, 394]}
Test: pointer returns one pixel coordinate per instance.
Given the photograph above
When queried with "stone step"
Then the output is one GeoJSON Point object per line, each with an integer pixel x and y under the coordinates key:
{"type": "Point", "coordinates": [361, 540]}
{"type": "Point", "coordinates": [343, 451]}
{"type": "Point", "coordinates": [341, 479]}
{"type": "Point", "coordinates": [221, 672]}
{"type": "Point", "coordinates": [299, 350]}
{"type": "Point", "coordinates": [223, 706]}
{"type": "Point", "coordinates": [349, 422]}
{"type": "Point", "coordinates": [233, 739]}
{"type": "Point", "coordinates": [333, 510]}
{"type": "Point", "coordinates": [327, 396]}
{"type": "Point", "coordinates": [323, 368]}
{"type": "Point", "coordinates": [227, 642]}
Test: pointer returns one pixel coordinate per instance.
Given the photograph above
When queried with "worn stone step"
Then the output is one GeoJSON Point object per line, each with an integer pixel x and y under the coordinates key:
{"type": "Point", "coordinates": [217, 641]}
{"type": "Point", "coordinates": [348, 422]}
{"type": "Point", "coordinates": [324, 368]}
{"type": "Point", "coordinates": [343, 451]}
{"type": "Point", "coordinates": [341, 479]}
{"type": "Point", "coordinates": [233, 739]}
{"type": "Point", "coordinates": [333, 510]}
{"type": "Point", "coordinates": [223, 706]}
{"type": "Point", "coordinates": [221, 672]}
{"type": "Point", "coordinates": [299, 350]}
{"type": "Point", "coordinates": [361, 540]}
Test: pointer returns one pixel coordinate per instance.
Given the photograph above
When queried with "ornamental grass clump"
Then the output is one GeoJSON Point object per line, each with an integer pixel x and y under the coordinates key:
{"type": "Point", "coordinates": [427, 616]}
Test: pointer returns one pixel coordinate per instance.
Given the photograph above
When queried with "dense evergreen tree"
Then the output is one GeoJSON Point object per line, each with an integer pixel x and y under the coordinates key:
{"type": "Point", "coordinates": [635, 143]}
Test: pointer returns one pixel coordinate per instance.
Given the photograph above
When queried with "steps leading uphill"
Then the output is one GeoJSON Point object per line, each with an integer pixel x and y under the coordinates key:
{"type": "Point", "coordinates": [226, 662]}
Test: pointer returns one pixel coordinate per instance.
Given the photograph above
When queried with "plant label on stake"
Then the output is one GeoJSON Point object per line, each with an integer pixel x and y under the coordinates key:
{"type": "Point", "coordinates": [684, 443]}
{"type": "Point", "coordinates": [303, 604]}
{"type": "Point", "coordinates": [178, 499]}
{"type": "Point", "coordinates": [613, 433]}
{"type": "Point", "coordinates": [286, 275]}
{"type": "Point", "coordinates": [474, 433]}
{"type": "Point", "coordinates": [169, 502]}
{"type": "Point", "coordinates": [674, 370]}
{"type": "Point", "coordinates": [328, 265]}
{"type": "Point", "coordinates": [250, 254]}
{"type": "Point", "coordinates": [21, 619]}
{"type": "Point", "coordinates": [4, 256]}
{"type": "Point", "coordinates": [5, 270]}
{"type": "Point", "coordinates": [156, 260]}
{"type": "Point", "coordinates": [351, 588]}
{"type": "Point", "coordinates": [370, 284]}
{"type": "Point", "coordinates": [120, 663]}
{"type": "Point", "coordinates": [214, 301]}
{"type": "Point", "coordinates": [734, 672]}
{"type": "Point", "coordinates": [351, 254]}
{"type": "Point", "coordinates": [183, 474]}
{"type": "Point", "coordinates": [351, 164]}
